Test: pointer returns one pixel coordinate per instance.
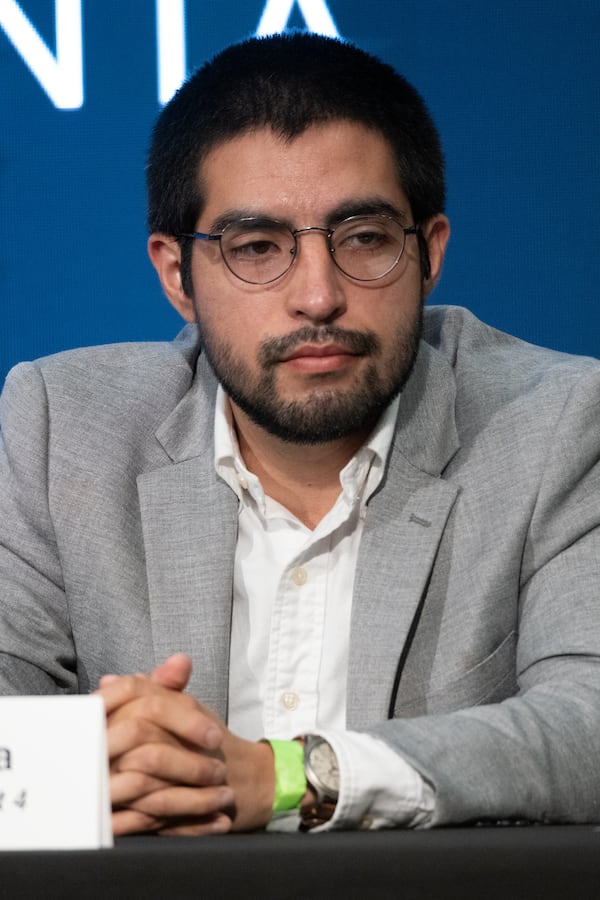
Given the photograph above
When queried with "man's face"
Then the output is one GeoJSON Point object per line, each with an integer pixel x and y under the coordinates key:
{"type": "Point", "coordinates": [313, 356]}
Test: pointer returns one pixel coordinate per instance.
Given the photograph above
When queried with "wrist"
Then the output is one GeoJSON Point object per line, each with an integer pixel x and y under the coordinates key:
{"type": "Point", "coordinates": [253, 782]}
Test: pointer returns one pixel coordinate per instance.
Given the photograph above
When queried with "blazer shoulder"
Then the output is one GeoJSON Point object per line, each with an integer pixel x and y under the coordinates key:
{"type": "Point", "coordinates": [183, 350]}
{"type": "Point", "coordinates": [103, 383]}
{"type": "Point", "coordinates": [493, 363]}
{"type": "Point", "coordinates": [135, 362]}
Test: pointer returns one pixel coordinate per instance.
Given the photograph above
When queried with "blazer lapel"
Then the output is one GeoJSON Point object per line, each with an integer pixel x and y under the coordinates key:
{"type": "Point", "coordinates": [189, 521]}
{"type": "Point", "coordinates": [405, 522]}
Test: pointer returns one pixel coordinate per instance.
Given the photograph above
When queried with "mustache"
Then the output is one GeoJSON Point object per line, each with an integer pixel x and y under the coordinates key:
{"type": "Point", "coordinates": [360, 343]}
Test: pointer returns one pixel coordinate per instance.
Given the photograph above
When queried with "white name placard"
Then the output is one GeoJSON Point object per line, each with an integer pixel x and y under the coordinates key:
{"type": "Point", "coordinates": [53, 774]}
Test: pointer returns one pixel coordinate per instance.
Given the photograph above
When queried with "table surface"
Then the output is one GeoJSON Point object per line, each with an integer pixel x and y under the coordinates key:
{"type": "Point", "coordinates": [510, 863]}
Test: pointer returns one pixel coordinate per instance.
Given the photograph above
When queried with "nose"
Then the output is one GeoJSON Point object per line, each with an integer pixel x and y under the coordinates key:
{"type": "Point", "coordinates": [315, 288]}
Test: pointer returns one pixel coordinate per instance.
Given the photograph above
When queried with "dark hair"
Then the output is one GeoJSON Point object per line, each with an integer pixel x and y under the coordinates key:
{"type": "Point", "coordinates": [286, 82]}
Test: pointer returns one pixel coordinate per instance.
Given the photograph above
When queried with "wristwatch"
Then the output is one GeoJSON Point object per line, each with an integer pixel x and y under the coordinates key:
{"type": "Point", "coordinates": [323, 776]}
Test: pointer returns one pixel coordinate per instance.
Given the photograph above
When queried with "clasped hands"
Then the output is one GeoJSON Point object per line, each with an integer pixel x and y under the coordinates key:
{"type": "Point", "coordinates": [175, 768]}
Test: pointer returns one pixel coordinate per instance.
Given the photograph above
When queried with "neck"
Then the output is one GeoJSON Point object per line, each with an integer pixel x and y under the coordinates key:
{"type": "Point", "coordinates": [302, 477]}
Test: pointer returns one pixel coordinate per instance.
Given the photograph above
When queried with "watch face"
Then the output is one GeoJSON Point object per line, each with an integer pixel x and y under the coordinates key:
{"type": "Point", "coordinates": [323, 762]}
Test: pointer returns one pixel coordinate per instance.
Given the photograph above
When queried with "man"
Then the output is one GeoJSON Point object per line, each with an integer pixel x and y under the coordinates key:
{"type": "Point", "coordinates": [353, 545]}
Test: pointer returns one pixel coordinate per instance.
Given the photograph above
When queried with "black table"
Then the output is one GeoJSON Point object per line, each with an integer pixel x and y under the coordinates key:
{"type": "Point", "coordinates": [518, 863]}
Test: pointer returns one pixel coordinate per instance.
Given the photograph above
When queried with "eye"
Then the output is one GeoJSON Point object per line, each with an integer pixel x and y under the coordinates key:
{"type": "Point", "coordinates": [253, 247]}
{"type": "Point", "coordinates": [368, 238]}
{"type": "Point", "coordinates": [255, 242]}
{"type": "Point", "coordinates": [368, 235]}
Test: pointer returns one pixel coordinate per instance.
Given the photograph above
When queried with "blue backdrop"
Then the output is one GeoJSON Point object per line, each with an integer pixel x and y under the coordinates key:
{"type": "Point", "coordinates": [513, 85]}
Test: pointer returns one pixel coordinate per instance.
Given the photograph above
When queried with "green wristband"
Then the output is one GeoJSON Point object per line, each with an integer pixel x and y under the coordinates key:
{"type": "Point", "coordinates": [290, 780]}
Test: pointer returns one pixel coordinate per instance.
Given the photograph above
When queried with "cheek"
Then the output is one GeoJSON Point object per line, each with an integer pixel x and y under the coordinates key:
{"type": "Point", "coordinates": [392, 309]}
{"type": "Point", "coordinates": [242, 316]}
{"type": "Point", "coordinates": [399, 324]}
{"type": "Point", "coordinates": [229, 324]}
{"type": "Point", "coordinates": [220, 295]}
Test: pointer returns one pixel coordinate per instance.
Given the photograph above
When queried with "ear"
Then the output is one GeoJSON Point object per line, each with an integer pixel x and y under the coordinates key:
{"type": "Point", "coordinates": [165, 254]}
{"type": "Point", "coordinates": [436, 232]}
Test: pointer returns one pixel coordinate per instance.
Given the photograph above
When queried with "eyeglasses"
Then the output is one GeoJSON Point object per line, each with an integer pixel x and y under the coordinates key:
{"type": "Point", "coordinates": [258, 251]}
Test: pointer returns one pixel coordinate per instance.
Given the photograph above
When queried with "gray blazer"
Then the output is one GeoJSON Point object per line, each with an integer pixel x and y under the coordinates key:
{"type": "Point", "coordinates": [475, 635]}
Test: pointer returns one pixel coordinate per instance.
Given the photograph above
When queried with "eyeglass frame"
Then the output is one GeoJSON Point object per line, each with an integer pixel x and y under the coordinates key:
{"type": "Point", "coordinates": [328, 232]}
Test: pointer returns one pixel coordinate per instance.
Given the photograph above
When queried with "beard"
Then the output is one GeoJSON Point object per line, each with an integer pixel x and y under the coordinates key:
{"type": "Point", "coordinates": [325, 413]}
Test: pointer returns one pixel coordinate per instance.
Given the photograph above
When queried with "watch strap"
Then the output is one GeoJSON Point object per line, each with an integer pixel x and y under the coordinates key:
{"type": "Point", "coordinates": [290, 780]}
{"type": "Point", "coordinates": [316, 814]}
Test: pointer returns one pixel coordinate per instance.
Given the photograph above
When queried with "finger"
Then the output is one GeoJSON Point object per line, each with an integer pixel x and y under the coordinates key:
{"type": "Point", "coordinates": [110, 678]}
{"type": "Point", "coordinates": [126, 787]}
{"type": "Point", "coordinates": [176, 765]}
{"type": "Point", "coordinates": [129, 821]}
{"type": "Point", "coordinates": [218, 824]}
{"type": "Point", "coordinates": [127, 733]}
{"type": "Point", "coordinates": [174, 673]}
{"type": "Point", "coordinates": [175, 712]}
{"type": "Point", "coordinates": [117, 690]}
{"type": "Point", "coordinates": [185, 802]}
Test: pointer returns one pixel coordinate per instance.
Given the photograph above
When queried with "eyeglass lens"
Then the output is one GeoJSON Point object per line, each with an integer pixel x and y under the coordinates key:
{"type": "Point", "coordinates": [363, 247]}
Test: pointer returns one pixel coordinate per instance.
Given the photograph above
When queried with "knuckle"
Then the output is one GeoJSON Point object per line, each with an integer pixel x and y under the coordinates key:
{"type": "Point", "coordinates": [140, 783]}
{"type": "Point", "coordinates": [130, 685]}
{"type": "Point", "coordinates": [128, 821]}
{"type": "Point", "coordinates": [152, 707]}
{"type": "Point", "coordinates": [154, 757]}
{"type": "Point", "coordinates": [138, 730]}
{"type": "Point", "coordinates": [210, 771]}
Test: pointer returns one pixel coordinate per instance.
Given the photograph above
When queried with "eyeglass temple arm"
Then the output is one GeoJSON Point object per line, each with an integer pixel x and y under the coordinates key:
{"type": "Point", "coordinates": [201, 236]}
{"type": "Point", "coordinates": [423, 251]}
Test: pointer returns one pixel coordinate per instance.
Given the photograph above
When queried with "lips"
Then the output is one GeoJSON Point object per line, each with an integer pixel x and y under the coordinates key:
{"type": "Point", "coordinates": [318, 359]}
{"type": "Point", "coordinates": [317, 351]}
{"type": "Point", "coordinates": [317, 344]}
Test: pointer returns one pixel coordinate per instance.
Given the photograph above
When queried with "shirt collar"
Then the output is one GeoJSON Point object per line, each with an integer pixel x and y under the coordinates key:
{"type": "Point", "coordinates": [359, 478]}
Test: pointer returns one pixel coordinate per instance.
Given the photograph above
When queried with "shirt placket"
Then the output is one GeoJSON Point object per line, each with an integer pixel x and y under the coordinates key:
{"type": "Point", "coordinates": [296, 639]}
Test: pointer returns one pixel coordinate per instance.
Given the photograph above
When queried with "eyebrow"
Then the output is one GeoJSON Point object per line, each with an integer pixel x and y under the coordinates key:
{"type": "Point", "coordinates": [364, 206]}
{"type": "Point", "coordinates": [234, 215]}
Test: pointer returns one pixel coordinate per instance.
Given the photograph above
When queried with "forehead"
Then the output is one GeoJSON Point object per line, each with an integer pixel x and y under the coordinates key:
{"type": "Point", "coordinates": [324, 167]}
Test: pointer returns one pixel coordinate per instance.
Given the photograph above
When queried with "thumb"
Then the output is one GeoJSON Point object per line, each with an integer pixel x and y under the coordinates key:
{"type": "Point", "coordinates": [174, 673]}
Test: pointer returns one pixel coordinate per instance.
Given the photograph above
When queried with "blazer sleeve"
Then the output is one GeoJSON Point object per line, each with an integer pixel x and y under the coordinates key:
{"type": "Point", "coordinates": [36, 648]}
{"type": "Point", "coordinates": [534, 756]}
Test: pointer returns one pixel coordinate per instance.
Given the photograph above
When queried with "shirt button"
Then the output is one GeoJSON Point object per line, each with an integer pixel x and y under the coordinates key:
{"type": "Point", "coordinates": [299, 576]}
{"type": "Point", "coordinates": [290, 700]}
{"type": "Point", "coordinates": [243, 482]}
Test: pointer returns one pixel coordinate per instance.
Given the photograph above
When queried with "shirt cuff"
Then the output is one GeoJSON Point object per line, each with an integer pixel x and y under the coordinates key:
{"type": "Point", "coordinates": [378, 787]}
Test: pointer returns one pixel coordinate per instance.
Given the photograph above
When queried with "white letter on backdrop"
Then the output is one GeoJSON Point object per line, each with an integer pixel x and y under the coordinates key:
{"type": "Point", "coordinates": [316, 14]}
{"type": "Point", "coordinates": [61, 76]}
{"type": "Point", "coordinates": [170, 46]}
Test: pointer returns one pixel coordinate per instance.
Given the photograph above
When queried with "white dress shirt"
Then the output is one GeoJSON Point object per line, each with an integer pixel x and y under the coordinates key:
{"type": "Point", "coordinates": [292, 602]}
